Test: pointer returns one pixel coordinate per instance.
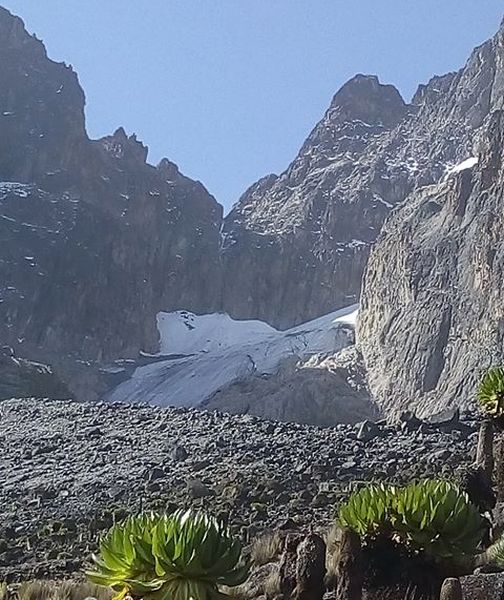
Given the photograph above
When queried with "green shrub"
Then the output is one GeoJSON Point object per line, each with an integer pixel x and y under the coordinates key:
{"type": "Point", "coordinates": [436, 517]}
{"type": "Point", "coordinates": [368, 511]}
{"type": "Point", "coordinates": [126, 562]}
{"type": "Point", "coordinates": [433, 517]}
{"type": "Point", "coordinates": [491, 392]}
{"type": "Point", "coordinates": [178, 556]}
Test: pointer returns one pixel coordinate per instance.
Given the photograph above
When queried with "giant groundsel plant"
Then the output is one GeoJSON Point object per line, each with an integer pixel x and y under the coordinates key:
{"type": "Point", "coordinates": [181, 556]}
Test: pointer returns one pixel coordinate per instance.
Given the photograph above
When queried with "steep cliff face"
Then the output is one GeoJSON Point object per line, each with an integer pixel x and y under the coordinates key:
{"type": "Point", "coordinates": [94, 241]}
{"type": "Point", "coordinates": [297, 243]}
{"type": "Point", "coordinates": [431, 316]}
{"type": "Point", "coordinates": [432, 312]}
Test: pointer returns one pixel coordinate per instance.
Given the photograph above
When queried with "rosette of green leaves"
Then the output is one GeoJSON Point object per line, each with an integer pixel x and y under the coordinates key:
{"type": "Point", "coordinates": [181, 556]}
{"type": "Point", "coordinates": [491, 392]}
{"type": "Point", "coordinates": [195, 554]}
{"type": "Point", "coordinates": [368, 511]}
{"type": "Point", "coordinates": [125, 561]}
{"type": "Point", "coordinates": [436, 517]}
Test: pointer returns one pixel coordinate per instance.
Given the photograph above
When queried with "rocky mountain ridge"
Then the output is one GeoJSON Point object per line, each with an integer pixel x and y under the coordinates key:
{"type": "Point", "coordinates": [95, 242]}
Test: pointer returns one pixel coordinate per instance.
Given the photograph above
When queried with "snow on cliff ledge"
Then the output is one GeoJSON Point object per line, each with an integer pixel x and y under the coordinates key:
{"type": "Point", "coordinates": [469, 163]}
{"type": "Point", "coordinates": [202, 354]}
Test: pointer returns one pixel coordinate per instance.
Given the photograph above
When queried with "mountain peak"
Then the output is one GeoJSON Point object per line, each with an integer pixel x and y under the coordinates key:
{"type": "Point", "coordinates": [364, 97]}
{"type": "Point", "coordinates": [13, 34]}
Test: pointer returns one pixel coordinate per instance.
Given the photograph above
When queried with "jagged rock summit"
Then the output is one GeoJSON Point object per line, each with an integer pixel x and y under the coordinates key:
{"type": "Point", "coordinates": [304, 236]}
{"type": "Point", "coordinates": [94, 241]}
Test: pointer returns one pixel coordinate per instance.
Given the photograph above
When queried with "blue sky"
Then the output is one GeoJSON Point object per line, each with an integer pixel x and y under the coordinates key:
{"type": "Point", "coordinates": [229, 89]}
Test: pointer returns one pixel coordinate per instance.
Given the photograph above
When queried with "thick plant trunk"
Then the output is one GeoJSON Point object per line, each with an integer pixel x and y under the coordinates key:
{"type": "Point", "coordinates": [288, 565]}
{"type": "Point", "coordinates": [349, 568]}
{"type": "Point", "coordinates": [499, 467]}
{"type": "Point", "coordinates": [485, 451]}
{"type": "Point", "coordinates": [310, 569]}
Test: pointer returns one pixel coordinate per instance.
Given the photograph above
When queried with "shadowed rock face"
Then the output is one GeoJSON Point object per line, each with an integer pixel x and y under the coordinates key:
{"type": "Point", "coordinates": [22, 378]}
{"type": "Point", "coordinates": [93, 240]}
{"type": "Point", "coordinates": [432, 310]}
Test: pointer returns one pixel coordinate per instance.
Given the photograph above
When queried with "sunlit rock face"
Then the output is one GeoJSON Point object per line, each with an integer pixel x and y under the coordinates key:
{"type": "Point", "coordinates": [432, 312]}
{"type": "Point", "coordinates": [431, 315]}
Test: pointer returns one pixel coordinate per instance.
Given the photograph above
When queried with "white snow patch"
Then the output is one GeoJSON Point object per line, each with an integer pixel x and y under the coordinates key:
{"type": "Point", "coordinates": [350, 317]}
{"type": "Point", "coordinates": [185, 333]}
{"type": "Point", "coordinates": [469, 163]}
{"type": "Point", "coordinates": [379, 199]}
{"type": "Point", "coordinates": [209, 352]}
{"type": "Point", "coordinates": [20, 189]}
{"type": "Point", "coordinates": [112, 370]}
{"type": "Point", "coordinates": [354, 243]}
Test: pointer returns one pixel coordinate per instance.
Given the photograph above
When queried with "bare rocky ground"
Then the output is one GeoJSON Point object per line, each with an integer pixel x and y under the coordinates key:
{"type": "Point", "coordinates": [67, 470]}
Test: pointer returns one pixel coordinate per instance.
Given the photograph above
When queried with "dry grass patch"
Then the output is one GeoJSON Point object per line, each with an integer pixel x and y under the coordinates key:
{"type": "Point", "coordinates": [53, 590]}
{"type": "Point", "coordinates": [267, 548]}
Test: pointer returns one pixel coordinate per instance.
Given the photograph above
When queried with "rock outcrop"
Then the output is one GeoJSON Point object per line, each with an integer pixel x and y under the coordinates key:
{"type": "Point", "coordinates": [21, 378]}
{"type": "Point", "coordinates": [432, 313]}
{"type": "Point", "coordinates": [94, 241]}
{"type": "Point", "coordinates": [323, 390]}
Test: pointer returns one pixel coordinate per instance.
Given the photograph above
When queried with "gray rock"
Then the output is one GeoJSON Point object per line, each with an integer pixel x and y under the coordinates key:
{"type": "Point", "coordinates": [483, 587]}
{"type": "Point", "coordinates": [198, 489]}
{"type": "Point", "coordinates": [92, 258]}
{"type": "Point", "coordinates": [179, 453]}
{"type": "Point", "coordinates": [440, 279]}
{"type": "Point", "coordinates": [156, 473]}
{"type": "Point", "coordinates": [323, 390]}
{"type": "Point", "coordinates": [367, 431]}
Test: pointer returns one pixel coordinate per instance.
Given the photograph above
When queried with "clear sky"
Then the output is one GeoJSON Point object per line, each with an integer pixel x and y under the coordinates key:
{"type": "Point", "coordinates": [229, 89]}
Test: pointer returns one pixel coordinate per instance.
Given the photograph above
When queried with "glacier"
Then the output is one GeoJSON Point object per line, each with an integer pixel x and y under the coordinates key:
{"type": "Point", "coordinates": [201, 354]}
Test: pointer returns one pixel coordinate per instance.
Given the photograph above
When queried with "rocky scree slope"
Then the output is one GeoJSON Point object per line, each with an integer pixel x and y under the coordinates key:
{"type": "Point", "coordinates": [67, 468]}
{"type": "Point", "coordinates": [432, 314]}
